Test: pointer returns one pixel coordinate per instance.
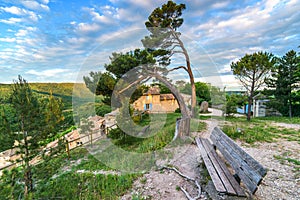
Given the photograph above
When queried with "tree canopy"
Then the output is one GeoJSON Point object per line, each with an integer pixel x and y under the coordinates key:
{"type": "Point", "coordinates": [284, 82]}
{"type": "Point", "coordinates": [163, 24]}
{"type": "Point", "coordinates": [252, 70]}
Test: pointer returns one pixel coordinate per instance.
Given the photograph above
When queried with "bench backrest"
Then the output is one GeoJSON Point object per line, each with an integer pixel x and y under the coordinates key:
{"type": "Point", "coordinates": [247, 168]}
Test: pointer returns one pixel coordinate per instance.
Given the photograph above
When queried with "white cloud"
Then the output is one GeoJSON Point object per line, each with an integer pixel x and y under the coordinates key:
{"type": "Point", "coordinates": [14, 10]}
{"type": "Point", "coordinates": [87, 28]}
{"type": "Point", "coordinates": [7, 39]}
{"type": "Point", "coordinates": [32, 16]}
{"type": "Point", "coordinates": [33, 5]}
{"type": "Point", "coordinates": [11, 20]}
{"type": "Point", "coordinates": [48, 72]}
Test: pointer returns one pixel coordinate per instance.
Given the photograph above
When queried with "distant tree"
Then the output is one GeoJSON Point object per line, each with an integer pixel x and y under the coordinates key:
{"type": "Point", "coordinates": [29, 118]}
{"type": "Point", "coordinates": [285, 79]}
{"type": "Point", "coordinates": [202, 91]}
{"type": "Point", "coordinates": [101, 110]}
{"type": "Point", "coordinates": [7, 139]}
{"type": "Point", "coordinates": [180, 84]}
{"type": "Point", "coordinates": [121, 63]}
{"type": "Point", "coordinates": [92, 81]}
{"type": "Point", "coordinates": [233, 101]}
{"type": "Point", "coordinates": [163, 24]}
{"type": "Point", "coordinates": [163, 89]}
{"type": "Point", "coordinates": [35, 123]}
{"type": "Point", "coordinates": [54, 117]}
{"type": "Point", "coordinates": [252, 70]}
{"type": "Point", "coordinates": [140, 90]}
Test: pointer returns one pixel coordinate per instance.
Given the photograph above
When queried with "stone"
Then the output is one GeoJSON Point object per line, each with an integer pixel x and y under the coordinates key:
{"type": "Point", "coordinates": [204, 107]}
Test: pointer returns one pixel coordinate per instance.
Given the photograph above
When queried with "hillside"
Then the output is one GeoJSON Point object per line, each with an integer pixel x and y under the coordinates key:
{"type": "Point", "coordinates": [65, 91]}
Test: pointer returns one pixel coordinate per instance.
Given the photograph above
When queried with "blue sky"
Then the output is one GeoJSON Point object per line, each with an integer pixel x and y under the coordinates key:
{"type": "Point", "coordinates": [61, 40]}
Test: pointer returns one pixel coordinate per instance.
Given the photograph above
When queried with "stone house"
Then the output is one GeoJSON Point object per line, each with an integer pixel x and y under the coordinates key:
{"type": "Point", "coordinates": [155, 102]}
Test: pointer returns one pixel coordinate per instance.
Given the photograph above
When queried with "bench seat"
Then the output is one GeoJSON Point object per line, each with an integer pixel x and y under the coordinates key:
{"type": "Point", "coordinates": [245, 168]}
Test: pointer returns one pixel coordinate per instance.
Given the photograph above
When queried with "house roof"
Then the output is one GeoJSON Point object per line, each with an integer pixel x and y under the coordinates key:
{"type": "Point", "coordinates": [153, 91]}
{"type": "Point", "coordinates": [166, 97]}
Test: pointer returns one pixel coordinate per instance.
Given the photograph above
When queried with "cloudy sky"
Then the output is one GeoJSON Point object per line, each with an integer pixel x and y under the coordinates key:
{"type": "Point", "coordinates": [59, 40]}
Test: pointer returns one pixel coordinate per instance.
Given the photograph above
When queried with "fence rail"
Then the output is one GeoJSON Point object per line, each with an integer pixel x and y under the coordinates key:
{"type": "Point", "coordinates": [67, 144]}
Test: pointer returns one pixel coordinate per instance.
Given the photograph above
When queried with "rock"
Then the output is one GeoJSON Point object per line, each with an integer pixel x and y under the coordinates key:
{"type": "Point", "coordinates": [204, 107]}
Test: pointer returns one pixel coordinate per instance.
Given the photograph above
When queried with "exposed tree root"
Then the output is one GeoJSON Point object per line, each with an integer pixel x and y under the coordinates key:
{"type": "Point", "coordinates": [188, 196]}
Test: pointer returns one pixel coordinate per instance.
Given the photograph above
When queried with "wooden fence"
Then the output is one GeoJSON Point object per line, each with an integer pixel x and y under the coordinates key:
{"type": "Point", "coordinates": [67, 144]}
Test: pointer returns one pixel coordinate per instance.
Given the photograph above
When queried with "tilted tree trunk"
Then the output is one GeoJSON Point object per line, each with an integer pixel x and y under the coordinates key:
{"type": "Point", "coordinates": [190, 72]}
{"type": "Point", "coordinates": [184, 125]}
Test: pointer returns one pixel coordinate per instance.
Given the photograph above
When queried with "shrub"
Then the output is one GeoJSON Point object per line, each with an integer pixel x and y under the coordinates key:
{"type": "Point", "coordinates": [102, 110]}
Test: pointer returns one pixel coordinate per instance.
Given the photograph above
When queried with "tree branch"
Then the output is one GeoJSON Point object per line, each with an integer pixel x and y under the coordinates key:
{"type": "Point", "coordinates": [134, 83]}
{"type": "Point", "coordinates": [176, 68]}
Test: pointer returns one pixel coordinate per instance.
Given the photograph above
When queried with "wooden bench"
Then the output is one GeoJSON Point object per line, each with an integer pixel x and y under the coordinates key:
{"type": "Point", "coordinates": [246, 169]}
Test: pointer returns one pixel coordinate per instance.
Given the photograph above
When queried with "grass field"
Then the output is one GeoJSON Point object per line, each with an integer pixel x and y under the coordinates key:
{"type": "Point", "coordinates": [260, 129]}
{"type": "Point", "coordinates": [60, 178]}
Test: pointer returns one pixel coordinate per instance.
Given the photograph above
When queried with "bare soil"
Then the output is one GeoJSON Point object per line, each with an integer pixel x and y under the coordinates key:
{"type": "Point", "coordinates": [281, 182]}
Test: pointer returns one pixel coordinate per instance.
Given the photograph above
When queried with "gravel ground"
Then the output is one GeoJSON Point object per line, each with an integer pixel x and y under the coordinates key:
{"type": "Point", "coordinates": [281, 182]}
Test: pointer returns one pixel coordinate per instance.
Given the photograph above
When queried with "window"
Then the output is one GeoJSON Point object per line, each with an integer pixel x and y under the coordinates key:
{"type": "Point", "coordinates": [147, 106]}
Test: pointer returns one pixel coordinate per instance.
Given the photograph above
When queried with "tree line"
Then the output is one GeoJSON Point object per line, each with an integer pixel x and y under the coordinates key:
{"type": "Point", "coordinates": [276, 77]}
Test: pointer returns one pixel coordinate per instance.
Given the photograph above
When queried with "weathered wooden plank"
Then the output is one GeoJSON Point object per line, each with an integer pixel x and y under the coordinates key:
{"type": "Point", "coordinates": [262, 171]}
{"type": "Point", "coordinates": [250, 172]}
{"type": "Point", "coordinates": [238, 168]}
{"type": "Point", "coordinates": [234, 184]}
{"type": "Point", "coordinates": [210, 168]}
{"type": "Point", "coordinates": [226, 177]}
{"type": "Point", "coordinates": [214, 159]}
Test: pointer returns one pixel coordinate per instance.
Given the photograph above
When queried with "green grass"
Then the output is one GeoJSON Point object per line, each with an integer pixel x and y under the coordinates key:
{"type": "Point", "coordinates": [258, 130]}
{"type": "Point", "coordinates": [57, 178]}
{"type": "Point", "coordinates": [159, 140]}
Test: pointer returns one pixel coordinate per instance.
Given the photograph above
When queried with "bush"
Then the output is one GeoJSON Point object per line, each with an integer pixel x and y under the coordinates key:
{"type": "Point", "coordinates": [178, 110]}
{"type": "Point", "coordinates": [102, 110]}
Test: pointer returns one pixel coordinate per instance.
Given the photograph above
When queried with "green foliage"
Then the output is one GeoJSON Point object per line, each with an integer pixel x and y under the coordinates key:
{"type": "Point", "coordinates": [11, 184]}
{"type": "Point", "coordinates": [284, 80]}
{"type": "Point", "coordinates": [6, 138]}
{"type": "Point", "coordinates": [105, 84]}
{"type": "Point", "coordinates": [122, 63]}
{"type": "Point", "coordinates": [54, 181]}
{"type": "Point", "coordinates": [142, 145]}
{"type": "Point", "coordinates": [202, 92]}
{"type": "Point", "coordinates": [101, 110]}
{"type": "Point", "coordinates": [92, 81]}
{"type": "Point", "coordinates": [258, 130]}
{"type": "Point", "coordinates": [233, 101]}
{"type": "Point", "coordinates": [141, 89]}
{"type": "Point", "coordinates": [252, 71]}
{"type": "Point", "coordinates": [167, 16]}
{"type": "Point", "coordinates": [205, 92]}
{"type": "Point", "coordinates": [163, 89]}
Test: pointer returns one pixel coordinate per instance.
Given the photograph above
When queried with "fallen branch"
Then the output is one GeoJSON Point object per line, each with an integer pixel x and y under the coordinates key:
{"type": "Point", "coordinates": [188, 196]}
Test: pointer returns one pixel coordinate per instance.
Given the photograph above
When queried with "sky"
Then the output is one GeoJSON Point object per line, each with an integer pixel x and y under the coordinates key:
{"type": "Point", "coordinates": [62, 40]}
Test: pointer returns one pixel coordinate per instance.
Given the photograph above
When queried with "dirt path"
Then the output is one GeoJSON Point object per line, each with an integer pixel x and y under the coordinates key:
{"type": "Point", "coordinates": [281, 182]}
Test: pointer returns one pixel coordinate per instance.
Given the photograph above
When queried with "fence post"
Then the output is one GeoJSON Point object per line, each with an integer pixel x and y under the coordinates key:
{"type": "Point", "coordinates": [68, 149]}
